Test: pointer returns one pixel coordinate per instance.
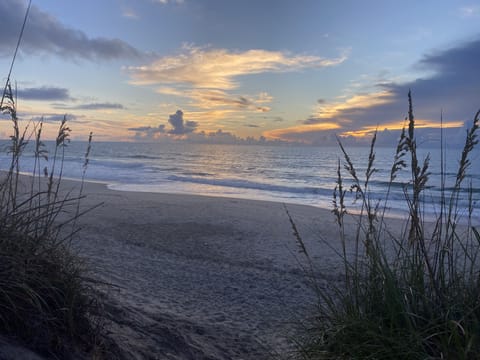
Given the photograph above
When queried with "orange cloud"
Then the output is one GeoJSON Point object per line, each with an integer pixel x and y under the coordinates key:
{"type": "Point", "coordinates": [217, 68]}
{"type": "Point", "coordinates": [282, 134]}
{"type": "Point", "coordinates": [419, 124]}
{"type": "Point", "coordinates": [365, 101]}
{"type": "Point", "coordinates": [218, 99]}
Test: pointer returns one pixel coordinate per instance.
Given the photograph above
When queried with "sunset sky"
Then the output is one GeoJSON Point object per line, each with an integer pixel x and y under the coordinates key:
{"type": "Point", "coordinates": [292, 70]}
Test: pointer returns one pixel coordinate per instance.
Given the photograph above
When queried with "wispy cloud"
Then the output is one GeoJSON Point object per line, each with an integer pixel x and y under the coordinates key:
{"type": "Point", "coordinates": [129, 13]}
{"type": "Point", "coordinates": [305, 133]}
{"type": "Point", "coordinates": [356, 103]}
{"type": "Point", "coordinates": [219, 68]}
{"type": "Point", "coordinates": [470, 11]}
{"type": "Point", "coordinates": [44, 93]}
{"type": "Point", "coordinates": [46, 35]}
{"type": "Point", "coordinates": [165, 2]}
{"type": "Point", "coordinates": [213, 98]}
{"type": "Point", "coordinates": [209, 78]}
{"type": "Point", "coordinates": [98, 106]}
{"type": "Point", "coordinates": [45, 117]}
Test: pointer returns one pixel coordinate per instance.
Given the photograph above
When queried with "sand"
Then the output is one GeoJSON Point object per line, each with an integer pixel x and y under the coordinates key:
{"type": "Point", "coordinates": [203, 277]}
{"type": "Point", "coordinates": [194, 277]}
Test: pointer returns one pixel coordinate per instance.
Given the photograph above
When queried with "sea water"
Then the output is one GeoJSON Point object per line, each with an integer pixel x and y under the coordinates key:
{"type": "Point", "coordinates": [288, 174]}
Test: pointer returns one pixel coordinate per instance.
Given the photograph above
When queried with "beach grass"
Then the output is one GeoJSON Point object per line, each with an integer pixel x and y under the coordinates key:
{"type": "Point", "coordinates": [413, 295]}
{"type": "Point", "coordinates": [46, 299]}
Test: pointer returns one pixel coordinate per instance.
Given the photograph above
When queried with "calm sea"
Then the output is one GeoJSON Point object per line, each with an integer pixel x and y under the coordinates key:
{"type": "Point", "coordinates": [301, 175]}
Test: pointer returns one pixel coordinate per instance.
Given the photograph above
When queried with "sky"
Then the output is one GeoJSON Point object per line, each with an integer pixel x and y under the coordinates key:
{"type": "Point", "coordinates": [225, 71]}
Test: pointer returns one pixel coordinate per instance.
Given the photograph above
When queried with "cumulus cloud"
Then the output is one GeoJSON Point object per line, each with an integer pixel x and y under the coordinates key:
{"type": "Point", "coordinates": [45, 34]}
{"type": "Point", "coordinates": [453, 87]}
{"type": "Point", "coordinates": [219, 68]}
{"type": "Point", "coordinates": [179, 125]}
{"type": "Point", "coordinates": [44, 93]}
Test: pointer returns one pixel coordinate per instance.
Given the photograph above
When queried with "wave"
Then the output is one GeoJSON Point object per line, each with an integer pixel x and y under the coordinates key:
{"type": "Point", "coordinates": [197, 173]}
{"type": "Point", "coordinates": [143, 157]}
{"type": "Point", "coordinates": [252, 185]}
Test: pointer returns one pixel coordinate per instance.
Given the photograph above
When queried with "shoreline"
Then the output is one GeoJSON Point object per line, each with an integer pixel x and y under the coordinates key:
{"type": "Point", "coordinates": [324, 203]}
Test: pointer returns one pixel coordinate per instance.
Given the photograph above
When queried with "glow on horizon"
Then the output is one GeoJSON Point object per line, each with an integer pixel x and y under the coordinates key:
{"type": "Point", "coordinates": [419, 124]}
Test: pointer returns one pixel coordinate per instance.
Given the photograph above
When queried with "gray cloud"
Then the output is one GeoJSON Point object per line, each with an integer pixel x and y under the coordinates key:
{"type": "Point", "coordinates": [179, 126]}
{"type": "Point", "coordinates": [48, 118]}
{"type": "Point", "coordinates": [452, 88]}
{"type": "Point", "coordinates": [311, 121]}
{"type": "Point", "coordinates": [44, 93]}
{"type": "Point", "coordinates": [98, 106]}
{"type": "Point", "coordinates": [148, 132]}
{"type": "Point", "coordinates": [251, 125]}
{"type": "Point", "coordinates": [44, 34]}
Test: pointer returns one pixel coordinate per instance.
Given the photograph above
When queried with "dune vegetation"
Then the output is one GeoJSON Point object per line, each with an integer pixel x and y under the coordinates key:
{"type": "Point", "coordinates": [47, 301]}
{"type": "Point", "coordinates": [409, 296]}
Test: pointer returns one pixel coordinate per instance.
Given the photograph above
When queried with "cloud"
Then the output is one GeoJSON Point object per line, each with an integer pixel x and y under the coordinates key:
{"type": "Point", "coordinates": [213, 98]}
{"type": "Point", "coordinates": [148, 132]}
{"type": "Point", "coordinates": [225, 137]}
{"type": "Point", "coordinates": [305, 133]}
{"type": "Point", "coordinates": [208, 77]}
{"type": "Point", "coordinates": [129, 13]}
{"type": "Point", "coordinates": [44, 34]}
{"type": "Point", "coordinates": [179, 126]}
{"type": "Point", "coordinates": [165, 2]}
{"type": "Point", "coordinates": [54, 118]}
{"type": "Point", "coordinates": [218, 68]}
{"type": "Point", "coordinates": [453, 87]}
{"type": "Point", "coordinates": [44, 93]}
{"type": "Point", "coordinates": [470, 11]}
{"type": "Point", "coordinates": [98, 106]}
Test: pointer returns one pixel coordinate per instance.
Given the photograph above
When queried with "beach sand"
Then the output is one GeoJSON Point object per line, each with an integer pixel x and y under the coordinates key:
{"type": "Point", "coordinates": [194, 277]}
{"type": "Point", "coordinates": [198, 277]}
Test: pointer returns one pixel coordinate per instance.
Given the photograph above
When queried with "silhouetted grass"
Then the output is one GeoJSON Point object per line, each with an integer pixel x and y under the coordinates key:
{"type": "Point", "coordinates": [410, 296]}
{"type": "Point", "coordinates": [46, 301]}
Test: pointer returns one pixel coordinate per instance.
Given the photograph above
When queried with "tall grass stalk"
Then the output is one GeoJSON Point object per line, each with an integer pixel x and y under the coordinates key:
{"type": "Point", "coordinates": [412, 295]}
{"type": "Point", "coordinates": [46, 300]}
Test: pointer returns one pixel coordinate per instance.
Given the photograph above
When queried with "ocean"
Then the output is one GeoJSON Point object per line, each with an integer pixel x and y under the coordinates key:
{"type": "Point", "coordinates": [288, 174]}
